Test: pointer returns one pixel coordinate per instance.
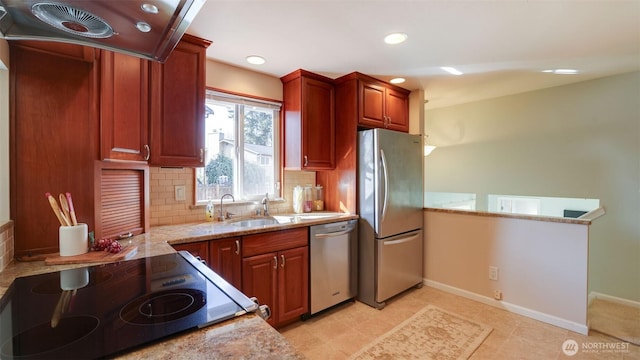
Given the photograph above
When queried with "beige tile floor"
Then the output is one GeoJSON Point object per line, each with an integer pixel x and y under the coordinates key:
{"type": "Point", "coordinates": [342, 331]}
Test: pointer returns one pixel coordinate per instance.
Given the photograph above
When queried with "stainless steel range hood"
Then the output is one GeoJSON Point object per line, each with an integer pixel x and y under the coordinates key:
{"type": "Point", "coordinates": [149, 29]}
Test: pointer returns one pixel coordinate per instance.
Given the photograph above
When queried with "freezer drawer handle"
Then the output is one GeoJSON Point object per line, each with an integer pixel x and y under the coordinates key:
{"type": "Point", "coordinates": [332, 234]}
{"type": "Point", "coordinates": [399, 241]}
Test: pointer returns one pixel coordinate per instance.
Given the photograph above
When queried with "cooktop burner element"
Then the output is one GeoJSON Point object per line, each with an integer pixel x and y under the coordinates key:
{"type": "Point", "coordinates": [43, 338]}
{"type": "Point", "coordinates": [163, 306]}
{"type": "Point", "coordinates": [104, 310]}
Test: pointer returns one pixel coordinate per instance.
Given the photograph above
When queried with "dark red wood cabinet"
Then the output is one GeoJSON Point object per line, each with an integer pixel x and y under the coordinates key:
{"type": "Point", "coordinates": [177, 105]}
{"type": "Point", "coordinates": [309, 121]}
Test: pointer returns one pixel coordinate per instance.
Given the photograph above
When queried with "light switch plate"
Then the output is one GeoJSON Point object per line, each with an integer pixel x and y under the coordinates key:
{"type": "Point", "coordinates": [180, 193]}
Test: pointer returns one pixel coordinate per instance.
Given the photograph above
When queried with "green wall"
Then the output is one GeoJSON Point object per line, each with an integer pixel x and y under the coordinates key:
{"type": "Point", "coordinates": [580, 140]}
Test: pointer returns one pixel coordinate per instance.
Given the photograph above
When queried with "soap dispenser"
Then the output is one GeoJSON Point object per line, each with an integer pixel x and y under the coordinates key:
{"type": "Point", "coordinates": [208, 213]}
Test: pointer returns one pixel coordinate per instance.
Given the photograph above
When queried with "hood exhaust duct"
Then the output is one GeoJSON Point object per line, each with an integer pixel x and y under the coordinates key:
{"type": "Point", "coordinates": [148, 29]}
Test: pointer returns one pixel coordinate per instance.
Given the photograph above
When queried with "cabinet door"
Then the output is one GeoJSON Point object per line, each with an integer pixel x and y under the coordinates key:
{"type": "Point", "coordinates": [124, 107]}
{"type": "Point", "coordinates": [260, 279]}
{"type": "Point", "coordinates": [293, 283]}
{"type": "Point", "coordinates": [226, 261]}
{"type": "Point", "coordinates": [371, 105]}
{"type": "Point", "coordinates": [177, 106]}
{"type": "Point", "coordinates": [318, 125]}
{"type": "Point", "coordinates": [53, 139]}
{"type": "Point", "coordinates": [397, 110]}
{"type": "Point", "coordinates": [198, 249]}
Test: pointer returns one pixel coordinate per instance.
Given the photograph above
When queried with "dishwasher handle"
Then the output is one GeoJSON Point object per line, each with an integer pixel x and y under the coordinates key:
{"type": "Point", "coordinates": [332, 234]}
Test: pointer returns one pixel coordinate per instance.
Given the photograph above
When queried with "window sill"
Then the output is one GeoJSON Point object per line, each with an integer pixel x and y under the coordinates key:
{"type": "Point", "coordinates": [203, 204]}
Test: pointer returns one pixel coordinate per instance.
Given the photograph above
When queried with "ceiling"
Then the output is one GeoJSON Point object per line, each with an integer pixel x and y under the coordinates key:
{"type": "Point", "coordinates": [501, 46]}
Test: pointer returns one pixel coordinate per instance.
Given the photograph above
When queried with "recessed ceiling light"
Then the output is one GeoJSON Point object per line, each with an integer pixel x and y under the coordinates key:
{"type": "Point", "coordinates": [395, 38]}
{"type": "Point", "coordinates": [143, 27]}
{"type": "Point", "coordinates": [562, 71]}
{"type": "Point", "coordinates": [255, 60]}
{"type": "Point", "coordinates": [149, 8]}
{"type": "Point", "coordinates": [397, 80]}
{"type": "Point", "coordinates": [451, 70]}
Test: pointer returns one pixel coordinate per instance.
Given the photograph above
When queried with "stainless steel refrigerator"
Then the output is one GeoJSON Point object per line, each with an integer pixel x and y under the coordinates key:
{"type": "Point", "coordinates": [390, 245]}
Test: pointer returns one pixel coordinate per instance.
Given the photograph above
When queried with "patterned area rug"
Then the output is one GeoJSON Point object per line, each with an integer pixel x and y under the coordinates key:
{"type": "Point", "coordinates": [616, 320]}
{"type": "Point", "coordinates": [432, 333]}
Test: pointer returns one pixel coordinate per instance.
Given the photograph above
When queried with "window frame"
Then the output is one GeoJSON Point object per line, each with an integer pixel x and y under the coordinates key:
{"type": "Point", "coordinates": [247, 100]}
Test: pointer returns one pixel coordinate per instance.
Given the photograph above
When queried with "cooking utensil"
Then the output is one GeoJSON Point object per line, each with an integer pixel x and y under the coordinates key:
{"type": "Point", "coordinates": [72, 211]}
{"type": "Point", "coordinates": [56, 210]}
{"type": "Point", "coordinates": [64, 206]}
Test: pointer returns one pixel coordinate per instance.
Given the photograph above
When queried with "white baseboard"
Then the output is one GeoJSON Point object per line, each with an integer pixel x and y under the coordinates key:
{"type": "Point", "coordinates": [517, 309]}
{"type": "Point", "coordinates": [596, 295]}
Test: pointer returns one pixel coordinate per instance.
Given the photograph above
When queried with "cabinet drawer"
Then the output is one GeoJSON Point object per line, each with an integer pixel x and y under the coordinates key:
{"type": "Point", "coordinates": [274, 241]}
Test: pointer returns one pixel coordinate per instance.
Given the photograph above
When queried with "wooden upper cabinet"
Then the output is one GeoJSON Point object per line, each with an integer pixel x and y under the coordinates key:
{"type": "Point", "coordinates": [380, 104]}
{"type": "Point", "coordinates": [309, 121]}
{"type": "Point", "coordinates": [177, 105]}
{"type": "Point", "coordinates": [124, 107]}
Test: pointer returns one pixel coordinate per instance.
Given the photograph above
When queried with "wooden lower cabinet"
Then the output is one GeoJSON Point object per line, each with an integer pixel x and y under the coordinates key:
{"type": "Point", "coordinates": [225, 259]}
{"type": "Point", "coordinates": [275, 269]}
{"type": "Point", "coordinates": [198, 249]}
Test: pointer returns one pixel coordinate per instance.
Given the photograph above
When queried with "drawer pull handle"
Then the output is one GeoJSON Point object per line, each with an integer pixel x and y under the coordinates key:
{"type": "Point", "coordinates": [237, 247]}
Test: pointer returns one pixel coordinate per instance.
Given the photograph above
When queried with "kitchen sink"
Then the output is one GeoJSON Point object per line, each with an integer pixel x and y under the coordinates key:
{"type": "Point", "coordinates": [254, 222]}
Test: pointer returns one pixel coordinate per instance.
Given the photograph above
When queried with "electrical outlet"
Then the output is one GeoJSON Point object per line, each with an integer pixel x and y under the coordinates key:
{"type": "Point", "coordinates": [497, 294]}
{"type": "Point", "coordinates": [493, 273]}
{"type": "Point", "coordinates": [180, 193]}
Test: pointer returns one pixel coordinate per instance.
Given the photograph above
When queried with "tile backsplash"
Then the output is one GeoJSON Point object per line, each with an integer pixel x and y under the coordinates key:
{"type": "Point", "coordinates": [6, 244]}
{"type": "Point", "coordinates": [165, 210]}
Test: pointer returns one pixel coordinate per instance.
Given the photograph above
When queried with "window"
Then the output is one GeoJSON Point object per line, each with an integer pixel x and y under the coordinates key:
{"type": "Point", "coordinates": [241, 155]}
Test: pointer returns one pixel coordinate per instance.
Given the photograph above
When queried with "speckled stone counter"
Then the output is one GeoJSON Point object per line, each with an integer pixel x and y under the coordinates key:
{"type": "Point", "coordinates": [245, 337]}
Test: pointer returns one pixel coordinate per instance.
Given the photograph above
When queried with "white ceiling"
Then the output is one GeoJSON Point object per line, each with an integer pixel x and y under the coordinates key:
{"type": "Point", "coordinates": [501, 46]}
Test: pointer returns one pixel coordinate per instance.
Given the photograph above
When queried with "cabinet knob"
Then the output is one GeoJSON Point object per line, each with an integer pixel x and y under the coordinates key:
{"type": "Point", "coordinates": [148, 152]}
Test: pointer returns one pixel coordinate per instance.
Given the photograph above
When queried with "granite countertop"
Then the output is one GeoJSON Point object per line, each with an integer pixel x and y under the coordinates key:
{"type": "Point", "coordinates": [247, 336]}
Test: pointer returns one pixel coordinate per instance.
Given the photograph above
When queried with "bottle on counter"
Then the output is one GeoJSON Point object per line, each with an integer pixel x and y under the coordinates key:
{"type": "Point", "coordinates": [308, 199]}
{"type": "Point", "coordinates": [298, 199]}
{"type": "Point", "coordinates": [208, 212]}
{"type": "Point", "coordinates": [318, 201]}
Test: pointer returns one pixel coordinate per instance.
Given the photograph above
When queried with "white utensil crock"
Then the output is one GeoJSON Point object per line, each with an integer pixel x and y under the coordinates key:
{"type": "Point", "coordinates": [74, 240]}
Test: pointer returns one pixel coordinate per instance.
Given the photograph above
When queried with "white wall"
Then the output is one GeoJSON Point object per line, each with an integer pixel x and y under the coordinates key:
{"type": "Point", "coordinates": [542, 266]}
{"type": "Point", "coordinates": [4, 132]}
{"type": "Point", "coordinates": [580, 140]}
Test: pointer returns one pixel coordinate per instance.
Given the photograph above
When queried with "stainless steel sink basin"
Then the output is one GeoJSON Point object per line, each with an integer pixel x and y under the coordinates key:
{"type": "Point", "coordinates": [254, 222]}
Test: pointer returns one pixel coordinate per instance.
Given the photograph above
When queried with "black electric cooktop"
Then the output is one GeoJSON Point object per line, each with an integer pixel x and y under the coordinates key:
{"type": "Point", "coordinates": [102, 310]}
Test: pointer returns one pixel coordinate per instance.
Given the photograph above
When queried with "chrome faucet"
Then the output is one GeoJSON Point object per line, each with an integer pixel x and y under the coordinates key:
{"type": "Point", "coordinates": [222, 217]}
{"type": "Point", "coordinates": [265, 205]}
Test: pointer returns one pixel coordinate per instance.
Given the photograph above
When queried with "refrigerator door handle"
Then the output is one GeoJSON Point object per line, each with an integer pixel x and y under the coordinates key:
{"type": "Point", "coordinates": [400, 241]}
{"type": "Point", "coordinates": [385, 176]}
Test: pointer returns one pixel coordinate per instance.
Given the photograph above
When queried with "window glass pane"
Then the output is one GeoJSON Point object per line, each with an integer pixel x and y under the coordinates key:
{"type": "Point", "coordinates": [258, 152]}
{"type": "Point", "coordinates": [217, 177]}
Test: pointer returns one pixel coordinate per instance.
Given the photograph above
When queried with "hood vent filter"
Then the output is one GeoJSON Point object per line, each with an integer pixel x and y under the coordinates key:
{"type": "Point", "coordinates": [72, 20]}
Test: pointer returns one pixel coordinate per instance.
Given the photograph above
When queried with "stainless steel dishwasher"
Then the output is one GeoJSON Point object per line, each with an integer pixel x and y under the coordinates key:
{"type": "Point", "coordinates": [334, 264]}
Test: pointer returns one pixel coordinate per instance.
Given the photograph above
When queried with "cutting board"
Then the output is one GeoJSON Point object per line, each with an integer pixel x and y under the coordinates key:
{"type": "Point", "coordinates": [93, 257]}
